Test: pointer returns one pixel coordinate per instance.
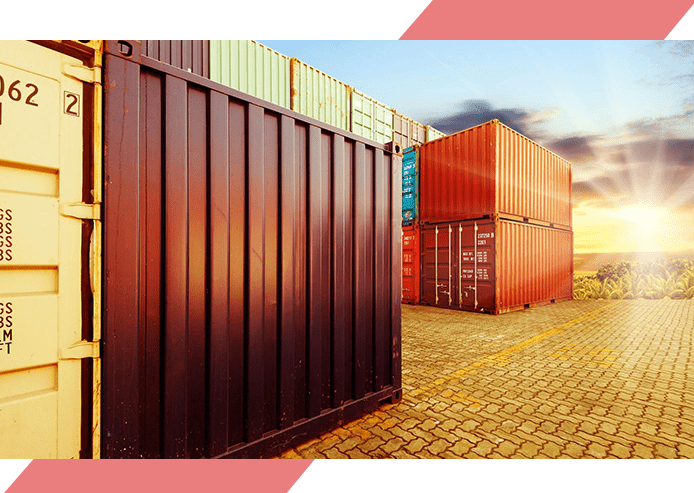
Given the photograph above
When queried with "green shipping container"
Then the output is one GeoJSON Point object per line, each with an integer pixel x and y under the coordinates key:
{"type": "Point", "coordinates": [316, 94]}
{"type": "Point", "coordinates": [433, 134]}
{"type": "Point", "coordinates": [371, 119]}
{"type": "Point", "coordinates": [252, 68]}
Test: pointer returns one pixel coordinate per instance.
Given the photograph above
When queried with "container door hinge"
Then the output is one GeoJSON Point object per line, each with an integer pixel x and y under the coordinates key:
{"type": "Point", "coordinates": [81, 350]}
{"type": "Point", "coordinates": [82, 73]}
{"type": "Point", "coordinates": [81, 210]}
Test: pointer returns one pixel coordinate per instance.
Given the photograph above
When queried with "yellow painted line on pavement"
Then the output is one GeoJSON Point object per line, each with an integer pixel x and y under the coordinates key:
{"type": "Point", "coordinates": [500, 357]}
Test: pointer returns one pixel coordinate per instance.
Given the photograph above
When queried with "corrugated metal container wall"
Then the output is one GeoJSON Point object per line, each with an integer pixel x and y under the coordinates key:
{"type": "Point", "coordinates": [535, 265]}
{"type": "Point", "coordinates": [316, 94]}
{"type": "Point", "coordinates": [252, 68]}
{"type": "Point", "coordinates": [491, 169]}
{"type": "Point", "coordinates": [406, 131]}
{"type": "Point", "coordinates": [533, 182]}
{"type": "Point", "coordinates": [370, 118]}
{"type": "Point", "coordinates": [433, 134]}
{"type": "Point", "coordinates": [410, 264]}
{"type": "Point", "coordinates": [456, 176]}
{"type": "Point", "coordinates": [495, 266]}
{"type": "Point", "coordinates": [410, 185]}
{"type": "Point", "coordinates": [189, 55]}
{"type": "Point", "coordinates": [252, 296]}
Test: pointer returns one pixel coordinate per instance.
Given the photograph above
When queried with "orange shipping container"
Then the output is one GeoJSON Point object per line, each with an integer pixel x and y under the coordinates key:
{"type": "Point", "coordinates": [495, 266]}
{"type": "Point", "coordinates": [491, 170]}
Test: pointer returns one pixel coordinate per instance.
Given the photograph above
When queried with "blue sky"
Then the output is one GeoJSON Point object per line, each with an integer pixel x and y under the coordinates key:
{"type": "Point", "coordinates": [621, 111]}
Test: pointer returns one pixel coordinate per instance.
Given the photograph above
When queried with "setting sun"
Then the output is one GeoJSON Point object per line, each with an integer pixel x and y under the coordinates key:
{"type": "Point", "coordinates": [645, 217]}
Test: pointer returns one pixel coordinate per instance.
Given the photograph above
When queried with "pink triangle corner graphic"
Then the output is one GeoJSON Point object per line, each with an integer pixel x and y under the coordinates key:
{"type": "Point", "coordinates": [547, 19]}
{"type": "Point", "coordinates": [170, 476]}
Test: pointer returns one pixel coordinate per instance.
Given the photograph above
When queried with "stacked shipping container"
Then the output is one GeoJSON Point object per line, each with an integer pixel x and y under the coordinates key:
{"type": "Point", "coordinates": [495, 221]}
{"type": "Point", "coordinates": [255, 69]}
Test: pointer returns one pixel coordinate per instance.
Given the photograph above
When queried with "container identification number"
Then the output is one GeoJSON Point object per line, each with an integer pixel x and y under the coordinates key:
{"type": "Point", "coordinates": [5, 235]}
{"type": "Point", "coordinates": [5, 327]}
{"type": "Point", "coordinates": [14, 91]}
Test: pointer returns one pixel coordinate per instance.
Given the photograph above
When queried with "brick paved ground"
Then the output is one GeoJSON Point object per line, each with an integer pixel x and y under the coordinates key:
{"type": "Point", "coordinates": [592, 379]}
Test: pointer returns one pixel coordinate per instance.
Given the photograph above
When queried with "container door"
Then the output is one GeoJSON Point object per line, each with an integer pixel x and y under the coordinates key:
{"type": "Point", "coordinates": [41, 172]}
{"type": "Point", "coordinates": [410, 179]}
{"type": "Point", "coordinates": [438, 264]}
{"type": "Point", "coordinates": [475, 245]}
{"type": "Point", "coordinates": [410, 265]}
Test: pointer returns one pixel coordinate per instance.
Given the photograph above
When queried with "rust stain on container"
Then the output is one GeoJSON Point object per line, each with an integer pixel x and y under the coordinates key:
{"type": "Point", "coordinates": [252, 259]}
{"type": "Point", "coordinates": [495, 266]}
{"type": "Point", "coordinates": [491, 170]}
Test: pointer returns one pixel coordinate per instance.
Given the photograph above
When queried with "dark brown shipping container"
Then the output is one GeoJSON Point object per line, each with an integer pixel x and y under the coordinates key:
{"type": "Point", "coordinates": [252, 269]}
{"type": "Point", "coordinates": [491, 170]}
{"type": "Point", "coordinates": [495, 266]}
{"type": "Point", "coordinates": [190, 55]}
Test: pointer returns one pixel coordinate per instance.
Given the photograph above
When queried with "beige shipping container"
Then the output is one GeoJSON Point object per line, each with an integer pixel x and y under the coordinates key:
{"type": "Point", "coordinates": [370, 118]}
{"type": "Point", "coordinates": [49, 312]}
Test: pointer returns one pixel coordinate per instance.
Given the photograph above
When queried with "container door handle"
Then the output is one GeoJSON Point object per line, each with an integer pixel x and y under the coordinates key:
{"type": "Point", "coordinates": [81, 350]}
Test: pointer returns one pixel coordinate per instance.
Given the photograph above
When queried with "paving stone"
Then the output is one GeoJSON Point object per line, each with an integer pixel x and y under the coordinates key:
{"type": "Point", "coordinates": [620, 451]}
{"type": "Point", "coordinates": [477, 385]}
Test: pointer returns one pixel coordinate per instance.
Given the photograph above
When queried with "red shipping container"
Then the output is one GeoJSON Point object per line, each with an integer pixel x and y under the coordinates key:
{"type": "Point", "coordinates": [410, 264]}
{"type": "Point", "coordinates": [495, 266]}
{"type": "Point", "coordinates": [493, 171]}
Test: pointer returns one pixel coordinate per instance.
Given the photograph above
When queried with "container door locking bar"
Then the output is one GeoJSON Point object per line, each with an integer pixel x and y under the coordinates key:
{"type": "Point", "coordinates": [81, 350]}
{"type": "Point", "coordinates": [81, 211]}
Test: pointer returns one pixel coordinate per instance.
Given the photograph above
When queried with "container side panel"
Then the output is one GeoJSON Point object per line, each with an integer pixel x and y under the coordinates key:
{"type": "Point", "coordinates": [316, 247]}
{"type": "Point", "coordinates": [150, 249]}
{"type": "Point", "coordinates": [271, 269]}
{"type": "Point", "coordinates": [197, 270]}
{"type": "Point", "coordinates": [288, 306]}
{"type": "Point", "coordinates": [347, 292]}
{"type": "Point", "coordinates": [341, 253]}
{"type": "Point", "coordinates": [324, 291]}
{"type": "Point", "coordinates": [370, 251]}
{"type": "Point", "coordinates": [361, 295]}
{"type": "Point", "coordinates": [300, 262]}
{"type": "Point", "coordinates": [535, 265]}
{"type": "Point", "coordinates": [219, 338]}
{"type": "Point", "coordinates": [121, 365]}
{"type": "Point", "coordinates": [255, 351]}
{"type": "Point", "coordinates": [176, 274]}
{"type": "Point", "coordinates": [535, 183]}
{"type": "Point", "coordinates": [238, 272]}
